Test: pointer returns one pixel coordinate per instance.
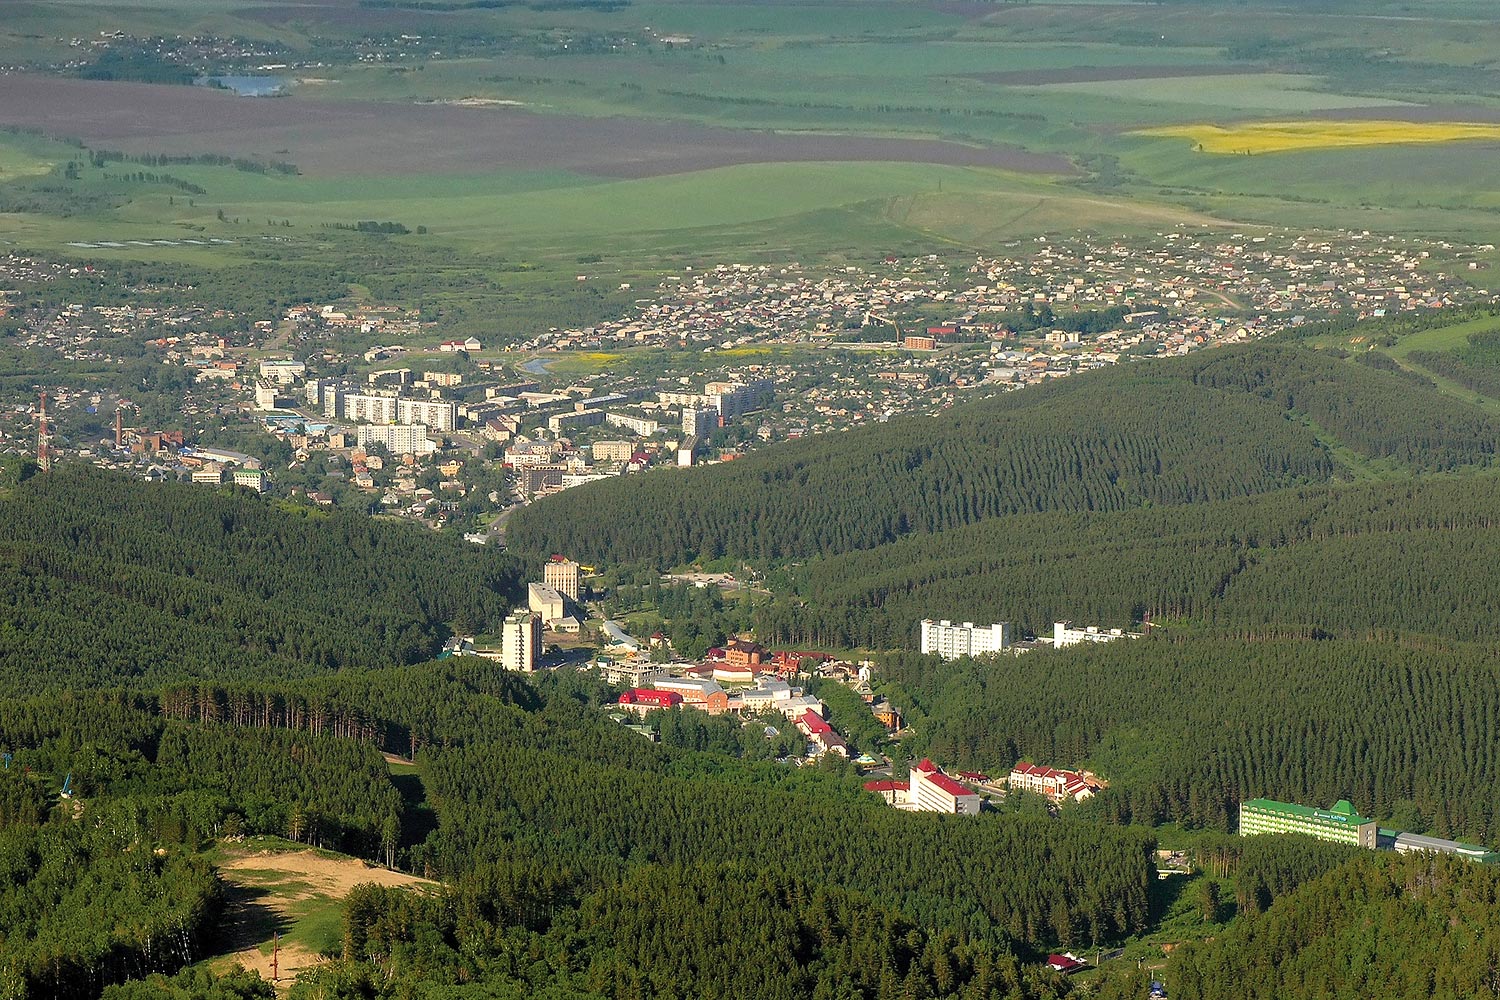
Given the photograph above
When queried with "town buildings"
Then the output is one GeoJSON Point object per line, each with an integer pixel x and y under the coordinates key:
{"type": "Point", "coordinates": [950, 640]}
{"type": "Point", "coordinates": [398, 439]}
{"type": "Point", "coordinates": [696, 692]}
{"type": "Point", "coordinates": [1339, 824]}
{"type": "Point", "coordinates": [643, 700]}
{"type": "Point", "coordinates": [934, 791]}
{"type": "Point", "coordinates": [1058, 786]}
{"type": "Point", "coordinates": [562, 575]}
{"type": "Point", "coordinates": [521, 641]}
{"type": "Point", "coordinates": [1064, 634]}
{"type": "Point", "coordinates": [545, 602]}
{"type": "Point", "coordinates": [816, 728]}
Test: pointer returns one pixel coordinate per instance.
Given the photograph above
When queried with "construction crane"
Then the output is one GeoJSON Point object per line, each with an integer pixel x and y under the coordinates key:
{"type": "Point", "coordinates": [67, 788]}
{"type": "Point", "coordinates": [7, 758]}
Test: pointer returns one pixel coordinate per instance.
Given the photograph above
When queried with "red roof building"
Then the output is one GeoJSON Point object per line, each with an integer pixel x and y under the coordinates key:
{"type": "Point", "coordinates": [820, 732]}
{"type": "Point", "coordinates": [934, 791]}
{"type": "Point", "coordinates": [645, 699]}
{"type": "Point", "coordinates": [1058, 786]}
{"type": "Point", "coordinates": [1066, 964]}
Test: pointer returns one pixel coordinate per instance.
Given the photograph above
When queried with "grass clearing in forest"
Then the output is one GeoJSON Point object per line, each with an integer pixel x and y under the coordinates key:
{"type": "Point", "coordinates": [1251, 138]}
{"type": "Point", "coordinates": [297, 894]}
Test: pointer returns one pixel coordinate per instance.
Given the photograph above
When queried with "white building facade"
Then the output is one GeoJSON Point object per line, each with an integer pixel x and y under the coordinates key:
{"type": "Point", "coordinates": [950, 641]}
{"type": "Point", "coordinates": [521, 641]}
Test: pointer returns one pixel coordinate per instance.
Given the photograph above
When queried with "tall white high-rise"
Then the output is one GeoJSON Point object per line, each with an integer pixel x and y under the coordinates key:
{"type": "Point", "coordinates": [521, 641]}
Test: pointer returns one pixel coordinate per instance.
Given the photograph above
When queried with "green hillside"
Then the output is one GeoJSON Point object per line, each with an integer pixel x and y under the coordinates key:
{"type": "Point", "coordinates": [105, 581]}
{"type": "Point", "coordinates": [1186, 729]}
{"type": "Point", "coordinates": [1383, 926]}
{"type": "Point", "coordinates": [1229, 423]}
{"type": "Point", "coordinates": [1410, 556]}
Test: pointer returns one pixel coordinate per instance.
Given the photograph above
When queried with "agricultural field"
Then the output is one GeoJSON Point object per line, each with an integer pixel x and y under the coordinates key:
{"type": "Point", "coordinates": [1252, 138]}
{"type": "Point", "coordinates": [656, 135]}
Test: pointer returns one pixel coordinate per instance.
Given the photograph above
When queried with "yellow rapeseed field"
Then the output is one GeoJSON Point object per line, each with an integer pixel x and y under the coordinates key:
{"type": "Point", "coordinates": [1277, 137]}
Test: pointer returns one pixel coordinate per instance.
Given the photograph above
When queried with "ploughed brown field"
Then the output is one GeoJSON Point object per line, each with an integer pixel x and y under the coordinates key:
{"type": "Point", "coordinates": [332, 138]}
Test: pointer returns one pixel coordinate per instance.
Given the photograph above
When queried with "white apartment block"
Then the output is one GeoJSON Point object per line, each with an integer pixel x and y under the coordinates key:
{"type": "Point", "coordinates": [545, 602]}
{"type": "Point", "coordinates": [265, 394]}
{"type": "Point", "coordinates": [373, 409]}
{"type": "Point", "coordinates": [562, 576]}
{"type": "Point", "coordinates": [699, 422]}
{"type": "Point", "coordinates": [521, 641]}
{"type": "Point", "coordinates": [398, 439]}
{"type": "Point", "coordinates": [641, 426]}
{"type": "Point", "coordinates": [252, 479]}
{"type": "Point", "coordinates": [612, 451]}
{"type": "Point", "coordinates": [950, 641]}
{"type": "Point", "coordinates": [1064, 634]}
{"type": "Point", "coordinates": [733, 398]}
{"type": "Point", "coordinates": [934, 791]}
{"type": "Point", "coordinates": [436, 414]}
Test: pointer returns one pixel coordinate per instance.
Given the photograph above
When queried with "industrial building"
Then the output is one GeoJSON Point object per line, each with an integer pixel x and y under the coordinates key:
{"type": "Point", "coordinates": [1409, 843]}
{"type": "Point", "coordinates": [950, 640]}
{"type": "Point", "coordinates": [1339, 824]}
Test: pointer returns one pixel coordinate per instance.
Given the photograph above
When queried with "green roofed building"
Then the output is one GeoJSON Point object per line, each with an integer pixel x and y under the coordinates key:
{"type": "Point", "coordinates": [1340, 824]}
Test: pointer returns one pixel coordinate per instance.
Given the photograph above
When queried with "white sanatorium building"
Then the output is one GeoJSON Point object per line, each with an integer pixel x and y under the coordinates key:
{"type": "Point", "coordinates": [934, 791]}
{"type": "Point", "coordinates": [1064, 634]}
{"type": "Point", "coordinates": [951, 641]}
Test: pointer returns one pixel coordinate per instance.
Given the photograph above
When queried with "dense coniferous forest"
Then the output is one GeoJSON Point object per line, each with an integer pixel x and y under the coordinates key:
{"type": "Point", "coordinates": [541, 787]}
{"type": "Point", "coordinates": [104, 581]}
{"type": "Point", "coordinates": [1227, 423]}
{"type": "Point", "coordinates": [705, 931]}
{"type": "Point", "coordinates": [206, 664]}
{"type": "Point", "coordinates": [1399, 926]}
{"type": "Point", "coordinates": [1187, 728]}
{"type": "Point", "coordinates": [1352, 560]}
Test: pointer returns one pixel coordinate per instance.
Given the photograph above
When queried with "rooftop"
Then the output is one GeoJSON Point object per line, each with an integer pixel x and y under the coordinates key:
{"type": "Point", "coordinates": [1342, 812]}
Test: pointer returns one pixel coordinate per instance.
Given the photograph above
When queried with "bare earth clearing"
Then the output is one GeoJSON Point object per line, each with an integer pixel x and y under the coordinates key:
{"type": "Point", "coordinates": [333, 138]}
{"type": "Point", "coordinates": [270, 891]}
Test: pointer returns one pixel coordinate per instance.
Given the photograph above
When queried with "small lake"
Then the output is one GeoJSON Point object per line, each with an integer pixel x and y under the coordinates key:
{"type": "Point", "coordinates": [248, 86]}
{"type": "Point", "coordinates": [536, 366]}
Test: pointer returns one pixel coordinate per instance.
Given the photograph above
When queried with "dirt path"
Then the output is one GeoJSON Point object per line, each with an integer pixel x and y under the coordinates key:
{"type": "Point", "coordinates": [297, 894]}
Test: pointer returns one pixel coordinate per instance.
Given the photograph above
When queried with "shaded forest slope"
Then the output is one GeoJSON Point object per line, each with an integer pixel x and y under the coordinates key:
{"type": "Point", "coordinates": [104, 580]}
